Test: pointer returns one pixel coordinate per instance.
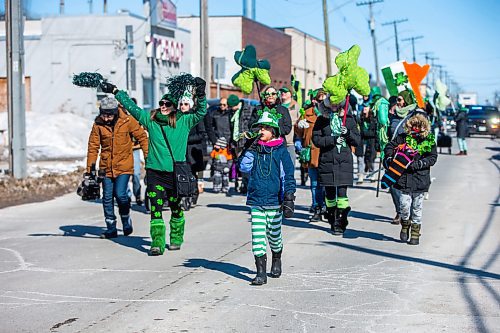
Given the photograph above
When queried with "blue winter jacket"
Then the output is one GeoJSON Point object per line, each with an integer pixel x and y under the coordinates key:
{"type": "Point", "coordinates": [271, 174]}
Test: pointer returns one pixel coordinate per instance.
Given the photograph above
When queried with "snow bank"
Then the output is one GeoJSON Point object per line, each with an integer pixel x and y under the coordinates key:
{"type": "Point", "coordinates": [53, 136]}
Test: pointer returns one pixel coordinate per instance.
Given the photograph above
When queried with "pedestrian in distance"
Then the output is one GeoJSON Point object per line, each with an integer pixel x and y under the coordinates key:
{"type": "Point", "coordinates": [221, 157]}
{"type": "Point", "coordinates": [271, 189]}
{"type": "Point", "coordinates": [168, 128]}
{"type": "Point", "coordinates": [294, 111]}
{"type": "Point", "coordinates": [335, 140]}
{"type": "Point", "coordinates": [461, 119]}
{"type": "Point", "coordinates": [415, 180]}
{"type": "Point", "coordinates": [112, 134]}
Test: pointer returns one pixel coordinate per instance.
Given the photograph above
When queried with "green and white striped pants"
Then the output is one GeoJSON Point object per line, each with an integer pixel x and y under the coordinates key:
{"type": "Point", "coordinates": [266, 222]}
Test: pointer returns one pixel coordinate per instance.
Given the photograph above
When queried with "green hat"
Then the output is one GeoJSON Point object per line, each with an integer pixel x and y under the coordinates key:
{"type": "Point", "coordinates": [284, 89]}
{"type": "Point", "coordinates": [407, 96]}
{"type": "Point", "coordinates": [375, 91]}
{"type": "Point", "coordinates": [232, 100]}
{"type": "Point", "coordinates": [268, 117]}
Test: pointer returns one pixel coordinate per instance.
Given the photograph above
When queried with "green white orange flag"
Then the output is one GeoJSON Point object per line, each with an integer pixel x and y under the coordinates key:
{"type": "Point", "coordinates": [401, 76]}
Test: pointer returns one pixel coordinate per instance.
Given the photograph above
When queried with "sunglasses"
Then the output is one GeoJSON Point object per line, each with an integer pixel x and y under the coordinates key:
{"type": "Point", "coordinates": [267, 94]}
{"type": "Point", "coordinates": [184, 104]}
{"type": "Point", "coordinates": [400, 99]}
{"type": "Point", "coordinates": [165, 103]}
{"type": "Point", "coordinates": [223, 105]}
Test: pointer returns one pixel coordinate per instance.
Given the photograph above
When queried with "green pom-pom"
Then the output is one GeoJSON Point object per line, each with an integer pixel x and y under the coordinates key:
{"type": "Point", "coordinates": [177, 85]}
{"type": "Point", "coordinates": [88, 80]}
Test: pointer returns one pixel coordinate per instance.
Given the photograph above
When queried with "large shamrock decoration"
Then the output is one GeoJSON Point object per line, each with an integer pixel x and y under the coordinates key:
{"type": "Point", "coordinates": [350, 76]}
{"type": "Point", "coordinates": [400, 79]}
{"type": "Point", "coordinates": [251, 69]}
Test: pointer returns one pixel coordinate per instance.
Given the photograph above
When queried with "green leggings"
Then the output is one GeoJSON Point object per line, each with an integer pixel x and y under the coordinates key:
{"type": "Point", "coordinates": [266, 222]}
{"type": "Point", "coordinates": [156, 195]}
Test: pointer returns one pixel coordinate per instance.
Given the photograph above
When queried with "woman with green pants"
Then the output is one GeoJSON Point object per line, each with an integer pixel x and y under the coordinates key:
{"type": "Point", "coordinates": [172, 119]}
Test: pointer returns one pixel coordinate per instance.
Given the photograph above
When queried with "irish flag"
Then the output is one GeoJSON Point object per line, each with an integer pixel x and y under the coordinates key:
{"type": "Point", "coordinates": [401, 76]}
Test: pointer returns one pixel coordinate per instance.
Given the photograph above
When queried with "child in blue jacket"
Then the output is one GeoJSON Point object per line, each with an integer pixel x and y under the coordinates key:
{"type": "Point", "coordinates": [271, 189]}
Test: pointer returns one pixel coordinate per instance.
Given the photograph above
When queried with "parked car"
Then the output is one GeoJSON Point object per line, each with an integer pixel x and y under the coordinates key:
{"type": "Point", "coordinates": [484, 119]}
{"type": "Point", "coordinates": [448, 119]}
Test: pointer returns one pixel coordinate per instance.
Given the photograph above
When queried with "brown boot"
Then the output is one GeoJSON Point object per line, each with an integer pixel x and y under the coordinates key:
{"type": "Point", "coordinates": [405, 230]}
{"type": "Point", "coordinates": [415, 234]}
{"type": "Point", "coordinates": [396, 220]}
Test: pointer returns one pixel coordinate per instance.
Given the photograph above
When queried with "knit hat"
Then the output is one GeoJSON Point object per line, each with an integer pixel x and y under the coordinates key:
{"type": "Point", "coordinates": [221, 142]}
{"type": "Point", "coordinates": [268, 117]}
{"type": "Point", "coordinates": [407, 96]}
{"type": "Point", "coordinates": [232, 100]}
{"type": "Point", "coordinates": [187, 97]}
{"type": "Point", "coordinates": [109, 105]}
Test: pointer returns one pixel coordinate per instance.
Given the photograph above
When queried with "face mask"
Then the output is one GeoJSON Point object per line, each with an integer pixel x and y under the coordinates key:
{"type": "Point", "coordinates": [416, 133]}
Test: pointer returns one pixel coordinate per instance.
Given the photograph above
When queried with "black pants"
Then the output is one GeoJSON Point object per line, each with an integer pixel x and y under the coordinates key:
{"type": "Point", "coordinates": [160, 187]}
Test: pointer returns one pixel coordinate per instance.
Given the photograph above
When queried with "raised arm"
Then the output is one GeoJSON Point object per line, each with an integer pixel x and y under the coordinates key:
{"type": "Point", "coordinates": [142, 116]}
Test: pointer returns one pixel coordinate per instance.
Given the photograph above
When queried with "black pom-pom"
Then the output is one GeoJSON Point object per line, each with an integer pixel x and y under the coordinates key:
{"type": "Point", "coordinates": [87, 79]}
{"type": "Point", "coordinates": [176, 85]}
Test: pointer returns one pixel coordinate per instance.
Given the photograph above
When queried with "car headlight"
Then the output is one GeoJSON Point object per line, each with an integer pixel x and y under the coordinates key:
{"type": "Point", "coordinates": [495, 121]}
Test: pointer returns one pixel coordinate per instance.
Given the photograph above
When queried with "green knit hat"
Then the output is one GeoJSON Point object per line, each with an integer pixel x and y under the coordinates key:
{"type": "Point", "coordinates": [232, 100]}
{"type": "Point", "coordinates": [268, 117]}
{"type": "Point", "coordinates": [407, 96]}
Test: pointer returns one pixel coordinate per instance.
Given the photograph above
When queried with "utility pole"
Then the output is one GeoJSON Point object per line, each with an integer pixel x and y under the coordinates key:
{"type": "Point", "coordinates": [370, 4]}
{"type": "Point", "coordinates": [395, 23]}
{"type": "Point", "coordinates": [105, 7]}
{"type": "Point", "coordinates": [413, 39]}
{"type": "Point", "coordinates": [426, 55]}
{"type": "Point", "coordinates": [327, 40]}
{"type": "Point", "coordinates": [61, 7]}
{"type": "Point", "coordinates": [432, 68]}
{"type": "Point", "coordinates": [204, 55]}
{"type": "Point", "coordinates": [14, 27]}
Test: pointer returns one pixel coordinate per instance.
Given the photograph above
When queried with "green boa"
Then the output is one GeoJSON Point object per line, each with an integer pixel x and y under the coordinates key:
{"type": "Point", "coordinates": [422, 147]}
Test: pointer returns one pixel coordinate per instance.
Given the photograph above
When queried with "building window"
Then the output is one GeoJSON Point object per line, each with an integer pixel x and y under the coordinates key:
{"type": "Point", "coordinates": [147, 93]}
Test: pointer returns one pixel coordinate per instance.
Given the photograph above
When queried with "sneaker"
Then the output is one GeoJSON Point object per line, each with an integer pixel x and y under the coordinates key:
{"type": "Point", "coordinates": [396, 220]}
{"type": "Point", "coordinates": [128, 231]}
{"type": "Point", "coordinates": [109, 234]}
{"type": "Point", "coordinates": [155, 251]}
{"type": "Point", "coordinates": [139, 202]}
{"type": "Point", "coordinates": [174, 247]}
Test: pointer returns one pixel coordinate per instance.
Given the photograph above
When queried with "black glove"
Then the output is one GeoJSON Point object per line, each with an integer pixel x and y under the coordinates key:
{"type": "Point", "coordinates": [344, 131]}
{"type": "Point", "coordinates": [288, 205]}
{"type": "Point", "coordinates": [416, 165]}
{"type": "Point", "coordinates": [108, 88]}
{"type": "Point", "coordinates": [200, 86]}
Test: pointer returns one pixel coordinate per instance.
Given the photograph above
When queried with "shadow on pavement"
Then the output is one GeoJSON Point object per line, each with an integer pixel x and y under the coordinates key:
{"type": "Point", "coordinates": [88, 231]}
{"type": "Point", "coordinates": [224, 267]}
{"type": "Point", "coordinates": [353, 234]}
{"type": "Point", "coordinates": [369, 216]}
{"type": "Point", "coordinates": [229, 207]}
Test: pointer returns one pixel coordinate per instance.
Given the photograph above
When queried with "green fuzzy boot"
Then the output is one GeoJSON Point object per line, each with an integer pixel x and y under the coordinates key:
{"type": "Point", "coordinates": [177, 232]}
{"type": "Point", "coordinates": [157, 230]}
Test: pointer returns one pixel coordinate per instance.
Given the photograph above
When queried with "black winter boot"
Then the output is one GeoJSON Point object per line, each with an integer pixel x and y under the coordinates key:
{"type": "Point", "coordinates": [316, 217]}
{"type": "Point", "coordinates": [337, 223]}
{"type": "Point", "coordinates": [276, 264]}
{"type": "Point", "coordinates": [343, 213]}
{"type": "Point", "coordinates": [330, 215]}
{"type": "Point", "coordinates": [405, 230]}
{"type": "Point", "coordinates": [415, 234]}
{"type": "Point", "coordinates": [261, 264]}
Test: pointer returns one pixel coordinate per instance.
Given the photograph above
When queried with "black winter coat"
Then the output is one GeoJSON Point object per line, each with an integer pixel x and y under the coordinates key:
{"type": "Point", "coordinates": [196, 147]}
{"type": "Point", "coordinates": [335, 169]}
{"type": "Point", "coordinates": [218, 125]}
{"type": "Point", "coordinates": [461, 120]}
{"type": "Point", "coordinates": [246, 114]}
{"type": "Point", "coordinates": [285, 121]}
{"type": "Point", "coordinates": [412, 180]}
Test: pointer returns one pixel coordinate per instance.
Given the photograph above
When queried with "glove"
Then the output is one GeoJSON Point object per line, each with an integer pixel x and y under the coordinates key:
{"type": "Point", "coordinates": [340, 140]}
{"type": "Point", "coordinates": [108, 88]}
{"type": "Point", "coordinates": [416, 165]}
{"type": "Point", "coordinates": [298, 146]}
{"type": "Point", "coordinates": [200, 85]}
{"type": "Point", "coordinates": [288, 205]}
{"type": "Point", "coordinates": [303, 124]}
{"type": "Point", "coordinates": [344, 130]}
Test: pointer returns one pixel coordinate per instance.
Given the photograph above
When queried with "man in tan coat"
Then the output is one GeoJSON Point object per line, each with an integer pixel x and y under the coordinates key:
{"type": "Point", "coordinates": [112, 134]}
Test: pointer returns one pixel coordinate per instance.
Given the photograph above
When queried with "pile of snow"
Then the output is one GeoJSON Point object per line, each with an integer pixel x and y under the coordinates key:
{"type": "Point", "coordinates": [53, 136]}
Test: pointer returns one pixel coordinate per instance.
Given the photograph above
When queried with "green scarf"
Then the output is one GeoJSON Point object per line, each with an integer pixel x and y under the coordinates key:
{"type": "Point", "coordinates": [403, 112]}
{"type": "Point", "coordinates": [235, 120]}
{"type": "Point", "coordinates": [422, 147]}
{"type": "Point", "coordinates": [335, 124]}
{"type": "Point", "coordinates": [161, 119]}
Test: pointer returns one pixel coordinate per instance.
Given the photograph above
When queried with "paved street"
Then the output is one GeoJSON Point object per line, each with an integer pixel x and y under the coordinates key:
{"type": "Point", "coordinates": [56, 275]}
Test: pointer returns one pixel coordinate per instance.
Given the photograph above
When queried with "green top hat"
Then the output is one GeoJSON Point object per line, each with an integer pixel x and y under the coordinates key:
{"type": "Point", "coordinates": [268, 117]}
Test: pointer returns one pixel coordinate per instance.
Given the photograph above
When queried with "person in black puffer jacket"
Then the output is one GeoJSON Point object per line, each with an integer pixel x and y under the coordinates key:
{"type": "Point", "coordinates": [415, 181]}
{"type": "Point", "coordinates": [196, 150]}
{"type": "Point", "coordinates": [368, 126]}
{"type": "Point", "coordinates": [335, 141]}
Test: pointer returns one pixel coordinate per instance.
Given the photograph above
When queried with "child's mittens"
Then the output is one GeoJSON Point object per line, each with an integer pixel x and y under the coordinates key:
{"type": "Point", "coordinates": [416, 165]}
{"type": "Point", "coordinates": [288, 205]}
{"type": "Point", "coordinates": [340, 140]}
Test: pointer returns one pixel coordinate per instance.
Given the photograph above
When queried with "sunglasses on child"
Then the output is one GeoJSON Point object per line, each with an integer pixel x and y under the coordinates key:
{"type": "Point", "coordinates": [165, 103]}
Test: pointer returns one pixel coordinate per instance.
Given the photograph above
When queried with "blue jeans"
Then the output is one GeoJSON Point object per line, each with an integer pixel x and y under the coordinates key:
{"type": "Point", "coordinates": [116, 188]}
{"type": "Point", "coordinates": [136, 178]}
{"type": "Point", "coordinates": [317, 191]}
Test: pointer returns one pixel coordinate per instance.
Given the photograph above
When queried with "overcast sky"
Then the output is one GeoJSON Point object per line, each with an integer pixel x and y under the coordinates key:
{"type": "Point", "coordinates": [461, 33]}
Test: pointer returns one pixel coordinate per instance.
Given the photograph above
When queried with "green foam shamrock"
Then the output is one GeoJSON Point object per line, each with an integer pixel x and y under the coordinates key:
{"type": "Point", "coordinates": [400, 79]}
{"type": "Point", "coordinates": [252, 69]}
{"type": "Point", "coordinates": [350, 76]}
